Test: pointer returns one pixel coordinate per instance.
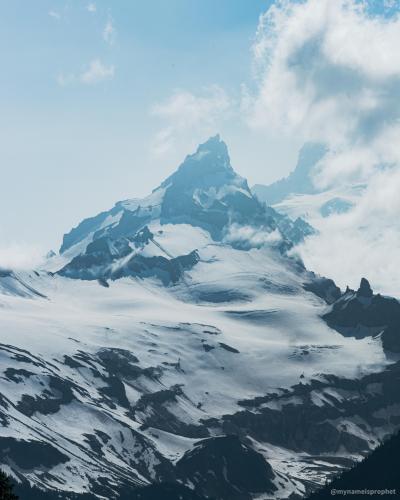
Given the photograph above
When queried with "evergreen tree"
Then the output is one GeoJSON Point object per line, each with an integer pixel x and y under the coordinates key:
{"type": "Point", "coordinates": [6, 488]}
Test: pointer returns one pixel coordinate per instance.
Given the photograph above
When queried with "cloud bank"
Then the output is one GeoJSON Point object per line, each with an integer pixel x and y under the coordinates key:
{"type": "Point", "coordinates": [20, 256]}
{"type": "Point", "coordinates": [247, 237]}
{"type": "Point", "coordinates": [188, 116]}
{"type": "Point", "coordinates": [330, 72]}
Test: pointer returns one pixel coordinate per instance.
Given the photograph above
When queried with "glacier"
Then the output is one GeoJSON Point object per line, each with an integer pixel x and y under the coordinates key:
{"type": "Point", "coordinates": [181, 330]}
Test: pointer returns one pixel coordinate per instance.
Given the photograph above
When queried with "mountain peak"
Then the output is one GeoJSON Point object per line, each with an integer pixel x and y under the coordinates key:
{"type": "Point", "coordinates": [309, 155]}
{"type": "Point", "coordinates": [214, 145]}
{"type": "Point", "coordinates": [204, 191]}
{"type": "Point", "coordinates": [365, 289]}
{"type": "Point", "coordinates": [209, 165]}
{"type": "Point", "coordinates": [299, 181]}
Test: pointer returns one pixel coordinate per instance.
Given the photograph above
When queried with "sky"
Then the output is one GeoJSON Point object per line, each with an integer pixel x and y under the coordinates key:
{"type": "Point", "coordinates": [101, 100]}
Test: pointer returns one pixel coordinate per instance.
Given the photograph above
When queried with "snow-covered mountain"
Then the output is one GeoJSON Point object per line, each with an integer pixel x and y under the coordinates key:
{"type": "Point", "coordinates": [176, 340]}
{"type": "Point", "coordinates": [205, 192]}
{"type": "Point", "coordinates": [297, 195]}
{"type": "Point", "coordinates": [299, 181]}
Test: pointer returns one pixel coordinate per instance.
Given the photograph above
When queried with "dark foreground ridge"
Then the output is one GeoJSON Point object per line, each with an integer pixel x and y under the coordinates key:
{"type": "Point", "coordinates": [378, 471]}
{"type": "Point", "coordinates": [164, 491]}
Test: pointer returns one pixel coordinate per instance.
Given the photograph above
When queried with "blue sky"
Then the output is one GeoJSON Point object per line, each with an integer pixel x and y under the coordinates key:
{"type": "Point", "coordinates": [101, 100]}
{"type": "Point", "coordinates": [70, 148]}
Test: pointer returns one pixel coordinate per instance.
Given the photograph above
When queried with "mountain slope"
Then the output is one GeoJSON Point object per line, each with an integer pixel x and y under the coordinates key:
{"type": "Point", "coordinates": [202, 342]}
{"type": "Point", "coordinates": [13, 284]}
{"type": "Point", "coordinates": [149, 371]}
{"type": "Point", "coordinates": [297, 195]}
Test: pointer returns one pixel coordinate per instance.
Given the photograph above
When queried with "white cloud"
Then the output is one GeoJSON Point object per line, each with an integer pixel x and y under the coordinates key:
{"type": "Point", "coordinates": [55, 15]}
{"type": "Point", "coordinates": [328, 71]}
{"type": "Point", "coordinates": [91, 7]}
{"type": "Point", "coordinates": [95, 72]}
{"type": "Point", "coordinates": [189, 115]}
{"type": "Point", "coordinates": [247, 237]}
{"type": "Point", "coordinates": [362, 242]}
{"type": "Point", "coordinates": [109, 32]}
{"type": "Point", "coordinates": [20, 256]}
{"type": "Point", "coordinates": [65, 79]}
{"type": "Point", "coordinates": [321, 59]}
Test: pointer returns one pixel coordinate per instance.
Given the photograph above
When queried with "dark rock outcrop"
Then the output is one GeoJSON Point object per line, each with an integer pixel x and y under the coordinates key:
{"type": "Point", "coordinates": [378, 471]}
{"type": "Point", "coordinates": [361, 314]}
{"type": "Point", "coordinates": [224, 467]}
{"type": "Point", "coordinates": [308, 417]}
{"type": "Point", "coordinates": [113, 259]}
{"type": "Point", "coordinates": [324, 288]}
{"type": "Point", "coordinates": [28, 454]}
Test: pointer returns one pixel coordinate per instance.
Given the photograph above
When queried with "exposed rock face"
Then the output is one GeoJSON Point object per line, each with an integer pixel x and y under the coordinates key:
{"type": "Point", "coordinates": [28, 454]}
{"type": "Point", "coordinates": [223, 467]}
{"type": "Point", "coordinates": [316, 418]}
{"type": "Point", "coordinates": [324, 288]}
{"type": "Point", "coordinates": [156, 410]}
{"type": "Point", "coordinates": [365, 289]}
{"type": "Point", "coordinates": [78, 233]}
{"type": "Point", "coordinates": [391, 338]}
{"type": "Point", "coordinates": [361, 314]}
{"type": "Point", "coordinates": [113, 259]}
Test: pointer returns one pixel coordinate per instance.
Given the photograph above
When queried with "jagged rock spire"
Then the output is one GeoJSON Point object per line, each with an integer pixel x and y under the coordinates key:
{"type": "Point", "coordinates": [365, 289]}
